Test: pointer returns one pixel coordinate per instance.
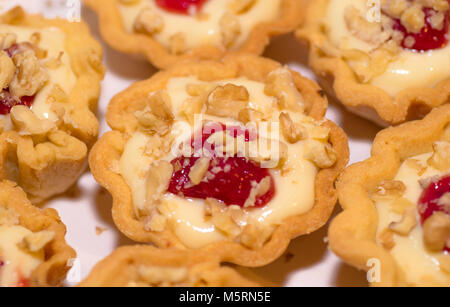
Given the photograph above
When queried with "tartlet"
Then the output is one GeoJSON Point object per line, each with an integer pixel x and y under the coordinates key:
{"type": "Point", "coordinates": [50, 76]}
{"type": "Point", "coordinates": [172, 192]}
{"type": "Point", "coordinates": [396, 219]}
{"type": "Point", "coordinates": [388, 63]}
{"type": "Point", "coordinates": [33, 251]}
{"type": "Point", "coordinates": [147, 266]}
{"type": "Point", "coordinates": [169, 31]}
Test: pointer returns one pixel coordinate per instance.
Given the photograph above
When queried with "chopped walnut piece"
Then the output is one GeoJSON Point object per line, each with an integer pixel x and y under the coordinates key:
{"type": "Point", "coordinates": [436, 231]}
{"type": "Point", "coordinates": [416, 165]}
{"type": "Point", "coordinates": [7, 40]}
{"type": "Point", "coordinates": [293, 132]}
{"type": "Point", "coordinates": [230, 29]}
{"type": "Point", "coordinates": [394, 8]}
{"type": "Point", "coordinates": [386, 238]}
{"type": "Point", "coordinates": [158, 180]}
{"type": "Point", "coordinates": [30, 76]}
{"type": "Point", "coordinates": [258, 189]}
{"type": "Point", "coordinates": [157, 275]}
{"type": "Point", "coordinates": [36, 241]}
{"type": "Point", "coordinates": [223, 221]}
{"type": "Point", "coordinates": [227, 101]}
{"type": "Point", "coordinates": [361, 27]}
{"type": "Point", "coordinates": [198, 170]}
{"type": "Point", "coordinates": [177, 43]}
{"type": "Point", "coordinates": [389, 190]}
{"type": "Point", "coordinates": [7, 70]}
{"type": "Point", "coordinates": [155, 222]}
{"type": "Point", "coordinates": [198, 89]}
{"type": "Point", "coordinates": [400, 205]}
{"type": "Point", "coordinates": [441, 156]}
{"type": "Point", "coordinates": [407, 223]}
{"type": "Point", "coordinates": [321, 154]}
{"type": "Point", "coordinates": [240, 6]}
{"type": "Point", "coordinates": [413, 18]}
{"type": "Point", "coordinates": [249, 115]}
{"type": "Point", "coordinates": [437, 20]}
{"type": "Point", "coordinates": [280, 84]}
{"type": "Point", "coordinates": [8, 216]}
{"type": "Point", "coordinates": [157, 117]}
{"type": "Point", "coordinates": [254, 236]}
{"type": "Point", "coordinates": [27, 123]}
{"type": "Point", "coordinates": [148, 21]}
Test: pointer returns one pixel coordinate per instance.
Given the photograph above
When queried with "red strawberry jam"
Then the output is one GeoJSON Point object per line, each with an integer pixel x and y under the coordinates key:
{"type": "Point", "coordinates": [185, 7]}
{"type": "Point", "coordinates": [228, 179]}
{"type": "Point", "coordinates": [428, 38]}
{"type": "Point", "coordinates": [429, 200]}
{"type": "Point", "coordinates": [7, 101]}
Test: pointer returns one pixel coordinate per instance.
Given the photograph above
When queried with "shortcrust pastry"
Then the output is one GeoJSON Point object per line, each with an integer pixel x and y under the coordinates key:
{"type": "Point", "coordinates": [386, 60]}
{"type": "Point", "coordinates": [146, 266]}
{"type": "Point", "coordinates": [167, 31]}
{"type": "Point", "coordinates": [33, 251]}
{"type": "Point", "coordinates": [233, 156]}
{"type": "Point", "coordinates": [50, 73]}
{"type": "Point", "coordinates": [396, 219]}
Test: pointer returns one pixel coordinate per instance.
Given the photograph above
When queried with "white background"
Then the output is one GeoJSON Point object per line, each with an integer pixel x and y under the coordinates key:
{"type": "Point", "coordinates": [308, 262]}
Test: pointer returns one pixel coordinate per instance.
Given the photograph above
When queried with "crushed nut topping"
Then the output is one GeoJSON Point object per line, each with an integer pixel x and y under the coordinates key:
{"type": "Point", "coordinates": [441, 156]}
{"type": "Point", "coordinates": [157, 117]}
{"type": "Point", "coordinates": [148, 21]}
{"type": "Point", "coordinates": [198, 170]}
{"type": "Point", "coordinates": [36, 241]}
{"type": "Point", "coordinates": [321, 154]}
{"type": "Point", "coordinates": [293, 132]}
{"type": "Point", "coordinates": [386, 238]}
{"type": "Point", "coordinates": [436, 231]}
{"type": "Point", "coordinates": [227, 101]}
{"type": "Point", "coordinates": [280, 84]}
{"type": "Point", "coordinates": [389, 190]}
{"type": "Point", "coordinates": [230, 29]}
{"type": "Point", "coordinates": [407, 223]}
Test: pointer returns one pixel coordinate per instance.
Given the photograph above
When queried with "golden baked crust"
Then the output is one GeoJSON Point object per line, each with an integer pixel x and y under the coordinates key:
{"type": "Point", "coordinates": [121, 267]}
{"type": "Point", "coordinates": [106, 153]}
{"type": "Point", "coordinates": [57, 253]}
{"type": "Point", "coordinates": [366, 100]}
{"type": "Point", "coordinates": [115, 35]}
{"type": "Point", "coordinates": [352, 233]}
{"type": "Point", "coordinates": [50, 165]}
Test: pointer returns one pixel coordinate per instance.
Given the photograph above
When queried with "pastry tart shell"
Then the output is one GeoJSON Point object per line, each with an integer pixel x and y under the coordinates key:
{"type": "Point", "coordinates": [114, 33]}
{"type": "Point", "coordinates": [119, 268]}
{"type": "Point", "coordinates": [120, 116]}
{"type": "Point", "coordinates": [57, 253]}
{"type": "Point", "coordinates": [366, 100]}
{"type": "Point", "coordinates": [352, 234]}
{"type": "Point", "coordinates": [49, 166]}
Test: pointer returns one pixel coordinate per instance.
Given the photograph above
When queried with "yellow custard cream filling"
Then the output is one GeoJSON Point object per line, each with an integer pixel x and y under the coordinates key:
{"type": "Point", "coordinates": [204, 29]}
{"type": "Point", "coordinates": [17, 264]}
{"type": "Point", "coordinates": [53, 41]}
{"type": "Point", "coordinates": [419, 264]}
{"type": "Point", "coordinates": [294, 189]}
{"type": "Point", "coordinates": [410, 69]}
